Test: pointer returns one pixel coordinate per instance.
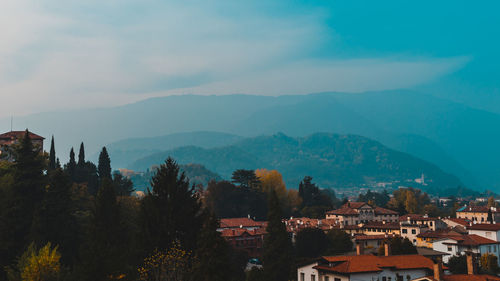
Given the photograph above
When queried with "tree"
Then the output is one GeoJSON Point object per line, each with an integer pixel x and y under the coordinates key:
{"type": "Point", "coordinates": [167, 265]}
{"type": "Point", "coordinates": [37, 265]}
{"type": "Point", "coordinates": [271, 180]}
{"type": "Point", "coordinates": [315, 202]}
{"type": "Point", "coordinates": [311, 242]}
{"type": "Point", "coordinates": [458, 264]}
{"type": "Point", "coordinates": [277, 256]}
{"type": "Point", "coordinates": [410, 202]}
{"type": "Point", "coordinates": [56, 211]}
{"type": "Point", "coordinates": [378, 199]}
{"type": "Point", "coordinates": [170, 211]}
{"type": "Point", "coordinates": [21, 200]}
{"type": "Point", "coordinates": [52, 155]}
{"type": "Point", "coordinates": [491, 202]}
{"type": "Point", "coordinates": [104, 254]}
{"type": "Point", "coordinates": [339, 242]}
{"type": "Point", "coordinates": [400, 246]}
{"type": "Point", "coordinates": [213, 259]}
{"type": "Point", "coordinates": [70, 168]}
{"type": "Point", "coordinates": [104, 165]}
{"type": "Point", "coordinates": [81, 155]}
{"type": "Point", "coordinates": [123, 185]}
{"type": "Point", "coordinates": [489, 264]}
{"type": "Point", "coordinates": [245, 178]}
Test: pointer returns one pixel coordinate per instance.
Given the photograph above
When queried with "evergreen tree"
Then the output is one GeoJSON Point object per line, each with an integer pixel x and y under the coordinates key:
{"type": "Point", "coordinates": [52, 155]}
{"type": "Point", "coordinates": [21, 200]}
{"type": "Point", "coordinates": [123, 185]}
{"type": "Point", "coordinates": [311, 242]}
{"type": "Point", "coordinates": [104, 254]}
{"type": "Point", "coordinates": [71, 166]}
{"type": "Point", "coordinates": [56, 211]}
{"type": "Point", "coordinates": [81, 155]}
{"type": "Point", "coordinates": [213, 260]}
{"type": "Point", "coordinates": [170, 211]}
{"type": "Point", "coordinates": [104, 165]}
{"type": "Point", "coordinates": [245, 178]}
{"type": "Point", "coordinates": [277, 256]}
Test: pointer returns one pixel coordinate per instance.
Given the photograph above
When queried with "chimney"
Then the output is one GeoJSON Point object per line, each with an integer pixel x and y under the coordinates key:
{"type": "Point", "coordinates": [471, 265]}
{"type": "Point", "coordinates": [360, 248]}
{"type": "Point", "coordinates": [387, 248]}
{"type": "Point", "coordinates": [438, 269]}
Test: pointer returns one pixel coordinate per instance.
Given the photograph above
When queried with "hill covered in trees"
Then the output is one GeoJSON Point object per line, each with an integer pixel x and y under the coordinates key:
{"type": "Point", "coordinates": [332, 160]}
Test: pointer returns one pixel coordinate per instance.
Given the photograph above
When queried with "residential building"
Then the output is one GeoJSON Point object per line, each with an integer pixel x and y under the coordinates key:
{"type": "Point", "coordinates": [353, 213]}
{"type": "Point", "coordinates": [426, 239]}
{"type": "Point", "coordinates": [245, 223]}
{"type": "Point", "coordinates": [250, 241]}
{"type": "Point", "coordinates": [7, 140]}
{"type": "Point", "coordinates": [425, 220]}
{"type": "Point", "coordinates": [459, 245]}
{"type": "Point", "coordinates": [411, 231]}
{"type": "Point", "coordinates": [366, 267]}
{"type": "Point", "coordinates": [478, 214]}
{"type": "Point", "coordinates": [490, 231]}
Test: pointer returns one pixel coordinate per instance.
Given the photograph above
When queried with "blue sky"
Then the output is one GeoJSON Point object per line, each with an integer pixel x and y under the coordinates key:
{"type": "Point", "coordinates": [72, 54]}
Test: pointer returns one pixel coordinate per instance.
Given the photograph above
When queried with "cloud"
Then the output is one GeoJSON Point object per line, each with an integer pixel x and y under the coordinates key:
{"type": "Point", "coordinates": [71, 54]}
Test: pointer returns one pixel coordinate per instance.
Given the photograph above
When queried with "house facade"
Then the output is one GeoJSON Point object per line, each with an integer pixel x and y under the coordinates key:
{"type": "Point", "coordinates": [459, 245]}
{"type": "Point", "coordinates": [353, 213]}
{"type": "Point", "coordinates": [478, 214]}
{"type": "Point", "coordinates": [12, 138]}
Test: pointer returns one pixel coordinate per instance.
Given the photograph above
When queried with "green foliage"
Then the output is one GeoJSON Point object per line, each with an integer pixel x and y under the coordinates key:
{"type": "Point", "coordinates": [458, 264]}
{"type": "Point", "coordinates": [170, 211]}
{"type": "Point", "coordinates": [255, 274]}
{"type": "Point", "coordinates": [213, 259]}
{"type": "Point", "coordinates": [408, 201]}
{"type": "Point", "coordinates": [245, 178]}
{"type": "Point", "coordinates": [104, 165]}
{"type": "Point", "coordinates": [314, 201]}
{"type": "Point", "coordinates": [37, 265]}
{"type": "Point", "coordinates": [228, 201]}
{"type": "Point", "coordinates": [399, 246]}
{"type": "Point", "coordinates": [52, 155]}
{"type": "Point", "coordinates": [277, 257]}
{"type": "Point", "coordinates": [123, 185]}
{"type": "Point", "coordinates": [70, 167]}
{"type": "Point", "coordinates": [379, 199]}
{"type": "Point", "coordinates": [311, 243]}
{"type": "Point", "coordinates": [338, 242]}
{"type": "Point", "coordinates": [81, 154]}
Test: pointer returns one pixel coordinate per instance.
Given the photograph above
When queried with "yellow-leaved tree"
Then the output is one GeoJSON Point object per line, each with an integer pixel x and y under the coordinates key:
{"type": "Point", "coordinates": [169, 265]}
{"type": "Point", "coordinates": [273, 180]}
{"type": "Point", "coordinates": [37, 265]}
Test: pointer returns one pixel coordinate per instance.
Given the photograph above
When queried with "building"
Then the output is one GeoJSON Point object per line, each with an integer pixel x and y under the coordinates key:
{"type": "Point", "coordinates": [245, 223]}
{"type": "Point", "coordinates": [459, 245]}
{"type": "Point", "coordinates": [353, 213]}
{"type": "Point", "coordinates": [426, 239]}
{"type": "Point", "coordinates": [7, 140]}
{"type": "Point", "coordinates": [457, 222]}
{"type": "Point", "coordinates": [478, 214]}
{"type": "Point", "coordinates": [249, 241]}
{"type": "Point", "coordinates": [366, 267]}
{"type": "Point", "coordinates": [424, 220]}
{"type": "Point", "coordinates": [490, 231]}
{"type": "Point", "coordinates": [411, 231]}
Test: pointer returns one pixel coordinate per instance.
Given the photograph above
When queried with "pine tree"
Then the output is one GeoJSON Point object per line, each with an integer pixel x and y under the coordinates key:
{"type": "Point", "coordinates": [104, 165]}
{"type": "Point", "coordinates": [277, 256]}
{"type": "Point", "coordinates": [56, 211]}
{"type": "Point", "coordinates": [213, 260]}
{"type": "Point", "coordinates": [81, 155]}
{"type": "Point", "coordinates": [21, 200]}
{"type": "Point", "coordinates": [105, 251]}
{"type": "Point", "coordinates": [52, 155]}
{"type": "Point", "coordinates": [170, 211]}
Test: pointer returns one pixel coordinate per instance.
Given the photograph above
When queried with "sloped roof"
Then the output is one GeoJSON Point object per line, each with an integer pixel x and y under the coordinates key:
{"type": "Point", "coordinates": [239, 222]}
{"type": "Point", "coordinates": [381, 225]}
{"type": "Point", "coordinates": [371, 263]}
{"type": "Point", "coordinates": [475, 209]}
{"type": "Point", "coordinates": [462, 277]}
{"type": "Point", "coordinates": [463, 222]}
{"type": "Point", "coordinates": [19, 135]}
{"type": "Point", "coordinates": [472, 240]}
{"type": "Point", "coordinates": [485, 226]}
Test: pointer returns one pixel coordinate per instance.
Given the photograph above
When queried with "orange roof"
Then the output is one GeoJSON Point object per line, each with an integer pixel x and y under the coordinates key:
{"type": "Point", "coordinates": [370, 263]}
{"type": "Point", "coordinates": [463, 222]}
{"type": "Point", "coordinates": [372, 237]}
{"type": "Point", "coordinates": [384, 211]}
{"type": "Point", "coordinates": [19, 135]}
{"type": "Point", "coordinates": [472, 240]}
{"type": "Point", "coordinates": [485, 226]}
{"type": "Point", "coordinates": [239, 222]}
{"type": "Point", "coordinates": [381, 225]}
{"type": "Point", "coordinates": [475, 277]}
{"type": "Point", "coordinates": [416, 217]}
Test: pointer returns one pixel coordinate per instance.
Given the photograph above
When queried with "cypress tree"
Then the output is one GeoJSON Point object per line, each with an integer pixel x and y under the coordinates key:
{"type": "Point", "coordinates": [104, 165]}
{"type": "Point", "coordinates": [213, 259]}
{"type": "Point", "coordinates": [52, 155]}
{"type": "Point", "coordinates": [170, 211]}
{"type": "Point", "coordinates": [277, 256]}
{"type": "Point", "coordinates": [71, 166]}
{"type": "Point", "coordinates": [81, 155]}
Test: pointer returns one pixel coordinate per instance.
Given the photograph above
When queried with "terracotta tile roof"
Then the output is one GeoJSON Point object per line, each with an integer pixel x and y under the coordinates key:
{"type": "Point", "coordinates": [345, 211]}
{"type": "Point", "coordinates": [363, 237]}
{"type": "Point", "coordinates": [440, 233]}
{"type": "Point", "coordinates": [381, 225]}
{"type": "Point", "coordinates": [474, 209]}
{"type": "Point", "coordinates": [485, 226]}
{"type": "Point", "coordinates": [475, 277]}
{"type": "Point", "coordinates": [239, 222]}
{"type": "Point", "coordinates": [19, 135]}
{"type": "Point", "coordinates": [472, 240]}
{"type": "Point", "coordinates": [416, 217]}
{"type": "Point", "coordinates": [237, 232]}
{"type": "Point", "coordinates": [384, 211]}
{"type": "Point", "coordinates": [371, 263]}
{"type": "Point", "coordinates": [354, 205]}
{"type": "Point", "coordinates": [463, 222]}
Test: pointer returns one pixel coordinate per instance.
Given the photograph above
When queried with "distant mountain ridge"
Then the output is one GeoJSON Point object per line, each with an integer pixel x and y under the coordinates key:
{"type": "Point", "coordinates": [332, 160]}
{"type": "Point", "coordinates": [459, 139]}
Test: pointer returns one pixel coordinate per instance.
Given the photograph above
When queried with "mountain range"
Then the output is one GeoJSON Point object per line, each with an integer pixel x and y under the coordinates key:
{"type": "Point", "coordinates": [461, 140]}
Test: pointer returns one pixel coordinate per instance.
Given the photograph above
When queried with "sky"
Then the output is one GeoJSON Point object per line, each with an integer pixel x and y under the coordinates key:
{"type": "Point", "coordinates": [63, 55]}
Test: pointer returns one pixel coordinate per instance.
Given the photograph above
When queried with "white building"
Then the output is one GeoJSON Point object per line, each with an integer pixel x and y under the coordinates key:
{"type": "Point", "coordinates": [366, 267]}
{"type": "Point", "coordinates": [490, 231]}
{"type": "Point", "coordinates": [459, 245]}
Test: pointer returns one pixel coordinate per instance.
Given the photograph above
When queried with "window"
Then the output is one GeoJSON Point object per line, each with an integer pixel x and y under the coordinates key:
{"type": "Point", "coordinates": [449, 248]}
{"type": "Point", "coordinates": [494, 248]}
{"type": "Point", "coordinates": [336, 279]}
{"type": "Point", "coordinates": [405, 231]}
{"type": "Point", "coordinates": [327, 278]}
{"type": "Point", "coordinates": [313, 277]}
{"type": "Point", "coordinates": [302, 276]}
{"type": "Point", "coordinates": [384, 278]}
{"type": "Point", "coordinates": [413, 231]}
{"type": "Point", "coordinates": [430, 225]}
{"type": "Point", "coordinates": [489, 249]}
{"type": "Point", "coordinates": [408, 277]}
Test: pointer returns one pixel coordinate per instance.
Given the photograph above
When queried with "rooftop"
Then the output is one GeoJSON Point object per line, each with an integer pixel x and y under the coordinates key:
{"type": "Point", "coordinates": [239, 222]}
{"type": "Point", "coordinates": [371, 263]}
{"type": "Point", "coordinates": [19, 135]}
{"type": "Point", "coordinates": [485, 226]}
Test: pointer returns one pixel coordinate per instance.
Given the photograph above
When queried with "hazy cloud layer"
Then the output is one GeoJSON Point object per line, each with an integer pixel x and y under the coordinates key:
{"type": "Point", "coordinates": [71, 54]}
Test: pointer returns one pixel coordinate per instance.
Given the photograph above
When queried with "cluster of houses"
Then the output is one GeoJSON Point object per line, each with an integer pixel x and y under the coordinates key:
{"type": "Point", "coordinates": [473, 233]}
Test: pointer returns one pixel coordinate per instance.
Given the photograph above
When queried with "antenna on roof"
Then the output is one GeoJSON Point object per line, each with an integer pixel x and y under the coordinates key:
{"type": "Point", "coordinates": [11, 121]}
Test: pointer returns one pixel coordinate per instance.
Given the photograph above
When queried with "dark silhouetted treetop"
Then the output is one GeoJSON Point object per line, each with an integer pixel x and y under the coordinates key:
{"type": "Point", "coordinates": [245, 178]}
{"type": "Point", "coordinates": [81, 155]}
{"type": "Point", "coordinates": [104, 165]}
{"type": "Point", "coordinates": [52, 155]}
